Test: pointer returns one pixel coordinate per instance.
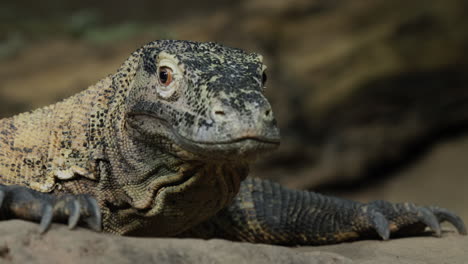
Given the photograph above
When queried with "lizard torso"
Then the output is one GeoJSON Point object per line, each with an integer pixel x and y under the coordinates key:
{"type": "Point", "coordinates": [58, 142]}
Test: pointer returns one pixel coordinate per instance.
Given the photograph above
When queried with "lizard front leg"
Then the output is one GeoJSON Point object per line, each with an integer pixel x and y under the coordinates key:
{"type": "Point", "coordinates": [266, 212]}
{"type": "Point", "coordinates": [18, 202]}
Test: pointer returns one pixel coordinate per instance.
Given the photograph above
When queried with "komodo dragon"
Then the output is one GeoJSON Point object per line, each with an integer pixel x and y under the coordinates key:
{"type": "Point", "coordinates": [163, 148]}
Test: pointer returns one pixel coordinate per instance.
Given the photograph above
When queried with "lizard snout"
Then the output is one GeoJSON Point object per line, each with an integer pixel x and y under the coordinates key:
{"type": "Point", "coordinates": [250, 115]}
{"type": "Point", "coordinates": [235, 120]}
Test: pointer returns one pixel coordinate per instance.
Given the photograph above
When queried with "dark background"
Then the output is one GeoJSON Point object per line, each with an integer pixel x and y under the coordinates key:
{"type": "Point", "coordinates": [371, 96]}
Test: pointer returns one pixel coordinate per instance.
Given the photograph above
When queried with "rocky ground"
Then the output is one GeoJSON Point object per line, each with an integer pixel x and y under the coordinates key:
{"type": "Point", "coordinates": [450, 249]}
{"type": "Point", "coordinates": [21, 243]}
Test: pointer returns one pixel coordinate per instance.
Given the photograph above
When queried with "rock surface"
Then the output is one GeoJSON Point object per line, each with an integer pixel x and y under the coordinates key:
{"type": "Point", "coordinates": [20, 242]}
{"type": "Point", "coordinates": [450, 249]}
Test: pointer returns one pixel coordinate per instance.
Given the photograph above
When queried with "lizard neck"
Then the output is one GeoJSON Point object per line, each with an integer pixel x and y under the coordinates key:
{"type": "Point", "coordinates": [164, 194]}
{"type": "Point", "coordinates": [198, 193]}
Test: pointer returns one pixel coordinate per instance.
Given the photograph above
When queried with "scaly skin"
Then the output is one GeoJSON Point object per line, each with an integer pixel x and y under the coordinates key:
{"type": "Point", "coordinates": [163, 147]}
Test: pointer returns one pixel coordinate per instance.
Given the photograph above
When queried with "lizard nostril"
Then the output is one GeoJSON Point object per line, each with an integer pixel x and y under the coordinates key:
{"type": "Point", "coordinates": [267, 112]}
{"type": "Point", "coordinates": [219, 111]}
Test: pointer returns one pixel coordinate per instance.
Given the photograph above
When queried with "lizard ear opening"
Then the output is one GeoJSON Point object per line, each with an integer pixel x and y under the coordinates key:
{"type": "Point", "coordinates": [264, 77]}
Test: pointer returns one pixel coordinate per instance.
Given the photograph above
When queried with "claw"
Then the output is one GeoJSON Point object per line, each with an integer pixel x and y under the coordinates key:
{"type": "Point", "coordinates": [94, 219]}
{"type": "Point", "coordinates": [2, 196]}
{"type": "Point", "coordinates": [429, 219]}
{"type": "Point", "coordinates": [46, 219]}
{"type": "Point", "coordinates": [74, 214]}
{"type": "Point", "coordinates": [445, 215]}
{"type": "Point", "coordinates": [24, 203]}
{"type": "Point", "coordinates": [381, 225]}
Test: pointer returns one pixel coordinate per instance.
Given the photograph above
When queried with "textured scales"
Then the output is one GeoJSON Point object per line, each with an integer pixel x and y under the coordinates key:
{"type": "Point", "coordinates": [171, 159]}
{"type": "Point", "coordinates": [58, 142]}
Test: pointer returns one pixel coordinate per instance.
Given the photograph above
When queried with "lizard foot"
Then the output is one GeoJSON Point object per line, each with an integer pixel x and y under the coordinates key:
{"type": "Point", "coordinates": [403, 219]}
{"type": "Point", "coordinates": [22, 203]}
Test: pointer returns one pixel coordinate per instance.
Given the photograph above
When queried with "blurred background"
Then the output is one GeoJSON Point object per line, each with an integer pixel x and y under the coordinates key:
{"type": "Point", "coordinates": [371, 96]}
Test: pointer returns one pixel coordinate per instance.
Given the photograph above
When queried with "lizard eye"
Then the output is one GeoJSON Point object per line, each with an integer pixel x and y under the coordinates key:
{"type": "Point", "coordinates": [165, 75]}
{"type": "Point", "coordinates": [169, 76]}
{"type": "Point", "coordinates": [264, 78]}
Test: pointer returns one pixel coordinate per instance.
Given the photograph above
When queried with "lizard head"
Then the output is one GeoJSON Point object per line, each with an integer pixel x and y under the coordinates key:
{"type": "Point", "coordinates": [201, 99]}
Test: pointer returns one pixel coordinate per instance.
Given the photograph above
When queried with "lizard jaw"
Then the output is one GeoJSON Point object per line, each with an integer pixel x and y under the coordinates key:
{"type": "Point", "coordinates": [246, 146]}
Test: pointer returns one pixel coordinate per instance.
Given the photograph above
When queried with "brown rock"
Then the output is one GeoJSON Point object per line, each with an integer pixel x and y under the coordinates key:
{"type": "Point", "coordinates": [451, 248]}
{"type": "Point", "coordinates": [20, 242]}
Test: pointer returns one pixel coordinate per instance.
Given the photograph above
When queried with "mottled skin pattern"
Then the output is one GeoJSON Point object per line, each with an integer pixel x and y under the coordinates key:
{"type": "Point", "coordinates": [171, 158]}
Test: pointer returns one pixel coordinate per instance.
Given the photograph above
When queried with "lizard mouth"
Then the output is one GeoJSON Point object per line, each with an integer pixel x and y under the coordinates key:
{"type": "Point", "coordinates": [246, 145]}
